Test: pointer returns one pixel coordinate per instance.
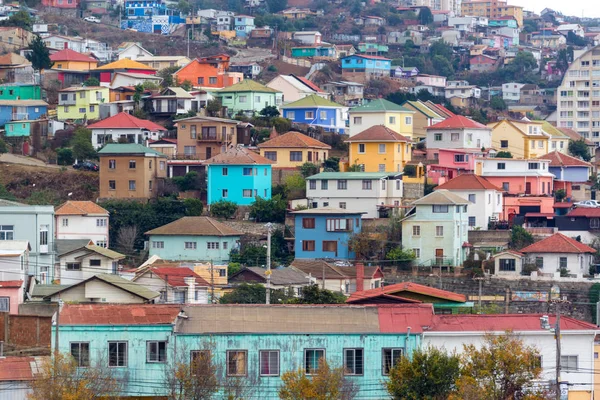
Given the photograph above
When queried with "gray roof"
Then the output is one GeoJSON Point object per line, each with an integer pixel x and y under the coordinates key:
{"type": "Point", "coordinates": [64, 246]}
{"type": "Point", "coordinates": [47, 290]}
{"type": "Point", "coordinates": [280, 276]}
{"type": "Point", "coordinates": [8, 203]}
{"type": "Point", "coordinates": [354, 175]}
{"type": "Point", "coordinates": [441, 197]}
{"type": "Point", "coordinates": [121, 283]}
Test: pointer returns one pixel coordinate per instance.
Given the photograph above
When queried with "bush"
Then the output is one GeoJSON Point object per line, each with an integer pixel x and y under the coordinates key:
{"type": "Point", "coordinates": [3, 147]}
{"type": "Point", "coordinates": [504, 154]}
{"type": "Point", "coordinates": [64, 156]}
{"type": "Point", "coordinates": [193, 207]}
{"type": "Point", "coordinates": [410, 170]}
{"type": "Point", "coordinates": [309, 169]}
{"type": "Point", "coordinates": [332, 164]}
{"type": "Point", "coordinates": [223, 209]}
{"type": "Point", "coordinates": [272, 210]}
{"type": "Point", "coordinates": [190, 181]}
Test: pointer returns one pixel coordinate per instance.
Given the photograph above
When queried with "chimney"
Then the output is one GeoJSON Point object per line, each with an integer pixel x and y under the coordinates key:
{"type": "Point", "coordinates": [190, 281]}
{"type": "Point", "coordinates": [360, 277]}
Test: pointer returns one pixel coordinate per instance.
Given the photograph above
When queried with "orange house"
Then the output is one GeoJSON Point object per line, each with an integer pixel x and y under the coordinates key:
{"type": "Point", "coordinates": [209, 72]}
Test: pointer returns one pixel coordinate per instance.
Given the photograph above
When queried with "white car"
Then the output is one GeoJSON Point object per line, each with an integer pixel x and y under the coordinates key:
{"type": "Point", "coordinates": [587, 204]}
{"type": "Point", "coordinates": [92, 19]}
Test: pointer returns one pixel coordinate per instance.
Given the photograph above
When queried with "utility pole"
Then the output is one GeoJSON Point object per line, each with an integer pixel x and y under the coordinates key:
{"type": "Point", "coordinates": [480, 279]}
{"type": "Point", "coordinates": [212, 283]}
{"type": "Point", "coordinates": [268, 272]}
{"type": "Point", "coordinates": [558, 349]}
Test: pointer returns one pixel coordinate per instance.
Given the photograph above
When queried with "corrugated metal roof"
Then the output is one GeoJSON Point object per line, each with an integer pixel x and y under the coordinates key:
{"type": "Point", "coordinates": [119, 314]}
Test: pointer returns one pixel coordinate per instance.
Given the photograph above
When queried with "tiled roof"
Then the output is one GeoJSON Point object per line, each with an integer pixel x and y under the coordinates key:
{"type": "Point", "coordinates": [238, 156]}
{"type": "Point", "coordinates": [293, 139]}
{"type": "Point", "coordinates": [380, 105]}
{"type": "Point", "coordinates": [125, 63]}
{"type": "Point", "coordinates": [248, 85]}
{"type": "Point", "coordinates": [458, 122]}
{"type": "Point", "coordinates": [502, 323]}
{"type": "Point", "coordinates": [128, 148]}
{"type": "Point", "coordinates": [80, 208]}
{"type": "Point", "coordinates": [327, 211]}
{"type": "Point", "coordinates": [399, 288]}
{"type": "Point", "coordinates": [378, 133]}
{"type": "Point", "coordinates": [119, 314]}
{"type": "Point", "coordinates": [125, 120]}
{"type": "Point", "coordinates": [468, 181]}
{"type": "Point", "coordinates": [313, 100]}
{"type": "Point", "coordinates": [13, 59]}
{"type": "Point", "coordinates": [440, 197]}
{"type": "Point", "coordinates": [558, 243]}
{"type": "Point", "coordinates": [71, 55]}
{"type": "Point", "coordinates": [585, 212]}
{"type": "Point", "coordinates": [558, 159]}
{"type": "Point", "coordinates": [195, 226]}
{"type": "Point", "coordinates": [175, 276]}
{"type": "Point", "coordinates": [11, 284]}
{"type": "Point", "coordinates": [19, 368]}
{"type": "Point", "coordinates": [573, 135]}
{"type": "Point", "coordinates": [319, 268]}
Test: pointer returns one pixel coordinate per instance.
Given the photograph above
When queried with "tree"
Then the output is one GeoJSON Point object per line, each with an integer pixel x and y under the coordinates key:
{"type": "Point", "coordinates": [575, 40]}
{"type": "Point", "coordinates": [425, 16]}
{"type": "Point", "coordinates": [578, 148]}
{"type": "Point", "coordinates": [498, 103]}
{"type": "Point", "coordinates": [325, 383]}
{"type": "Point", "coordinates": [167, 75]}
{"type": "Point", "coordinates": [309, 169]}
{"type": "Point", "coordinates": [282, 125]}
{"type": "Point", "coordinates": [271, 210]}
{"type": "Point", "coordinates": [520, 238]}
{"type": "Point", "coordinates": [443, 66]}
{"type": "Point", "coordinates": [20, 19]}
{"type": "Point", "coordinates": [184, 7]}
{"type": "Point", "coordinates": [523, 62]}
{"type": "Point", "coordinates": [82, 144]}
{"type": "Point", "coordinates": [502, 368]}
{"type": "Point", "coordinates": [504, 154]}
{"type": "Point", "coordinates": [366, 245]}
{"type": "Point", "coordinates": [332, 164]}
{"type": "Point", "coordinates": [427, 374]}
{"type": "Point", "coordinates": [276, 5]}
{"type": "Point", "coordinates": [213, 107]}
{"type": "Point", "coordinates": [91, 82]}
{"type": "Point", "coordinates": [400, 254]}
{"type": "Point", "coordinates": [223, 209]}
{"type": "Point", "coordinates": [3, 147]}
{"type": "Point", "coordinates": [270, 112]}
{"type": "Point", "coordinates": [126, 239]}
{"type": "Point", "coordinates": [193, 207]}
{"type": "Point", "coordinates": [39, 55]}
{"type": "Point", "coordinates": [190, 181]}
{"type": "Point", "coordinates": [313, 294]}
{"type": "Point", "coordinates": [195, 380]}
{"type": "Point", "coordinates": [246, 294]}
{"type": "Point", "coordinates": [560, 195]}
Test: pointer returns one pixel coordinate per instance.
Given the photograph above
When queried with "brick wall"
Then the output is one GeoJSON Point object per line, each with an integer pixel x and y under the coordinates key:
{"type": "Point", "coordinates": [23, 331]}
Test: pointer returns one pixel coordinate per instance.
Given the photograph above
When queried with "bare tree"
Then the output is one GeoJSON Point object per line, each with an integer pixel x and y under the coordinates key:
{"type": "Point", "coordinates": [195, 378]}
{"type": "Point", "coordinates": [126, 239]}
{"type": "Point", "coordinates": [239, 387]}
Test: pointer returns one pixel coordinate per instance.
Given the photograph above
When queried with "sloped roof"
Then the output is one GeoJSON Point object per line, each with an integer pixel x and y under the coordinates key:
{"type": "Point", "coordinates": [312, 101]}
{"type": "Point", "coordinates": [80, 208]}
{"type": "Point", "coordinates": [573, 135]}
{"type": "Point", "coordinates": [468, 181]}
{"type": "Point", "coordinates": [125, 120]}
{"type": "Point", "coordinates": [11, 284]}
{"type": "Point", "coordinates": [378, 133]}
{"type": "Point", "coordinates": [119, 314]}
{"type": "Point", "coordinates": [439, 109]}
{"type": "Point", "coordinates": [117, 281]}
{"type": "Point", "coordinates": [238, 156]}
{"type": "Point", "coordinates": [558, 243]}
{"type": "Point", "coordinates": [113, 255]}
{"type": "Point", "coordinates": [553, 131]}
{"type": "Point", "coordinates": [125, 63]}
{"type": "Point", "coordinates": [309, 83]}
{"type": "Point", "coordinates": [175, 276]}
{"type": "Point", "coordinates": [585, 212]}
{"type": "Point", "coordinates": [410, 287]}
{"type": "Point", "coordinates": [558, 159]}
{"type": "Point", "coordinates": [248, 85]}
{"type": "Point", "coordinates": [380, 105]}
{"type": "Point", "coordinates": [20, 368]}
{"type": "Point", "coordinates": [458, 122]}
{"type": "Point", "coordinates": [47, 290]}
{"type": "Point", "coordinates": [503, 323]}
{"type": "Point", "coordinates": [195, 226]}
{"type": "Point", "coordinates": [64, 246]}
{"type": "Point", "coordinates": [177, 92]}
{"type": "Point", "coordinates": [319, 268]}
{"type": "Point", "coordinates": [129, 148]}
{"type": "Point", "coordinates": [423, 109]}
{"type": "Point", "coordinates": [13, 59]}
{"type": "Point", "coordinates": [354, 175]}
{"type": "Point", "coordinates": [279, 276]}
{"type": "Point", "coordinates": [441, 197]}
{"type": "Point", "coordinates": [293, 139]}
{"type": "Point", "coordinates": [71, 55]}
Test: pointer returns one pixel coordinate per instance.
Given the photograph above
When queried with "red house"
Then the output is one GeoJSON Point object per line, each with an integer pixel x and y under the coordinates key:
{"type": "Point", "coordinates": [106, 72]}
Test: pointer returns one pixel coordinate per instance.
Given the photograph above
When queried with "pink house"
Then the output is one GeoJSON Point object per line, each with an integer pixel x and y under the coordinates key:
{"type": "Point", "coordinates": [451, 163]}
{"type": "Point", "coordinates": [11, 295]}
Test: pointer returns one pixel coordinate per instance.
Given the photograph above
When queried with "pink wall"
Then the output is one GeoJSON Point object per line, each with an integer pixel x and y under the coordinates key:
{"type": "Point", "coordinates": [512, 205]}
{"type": "Point", "coordinates": [16, 297]}
{"type": "Point", "coordinates": [518, 184]}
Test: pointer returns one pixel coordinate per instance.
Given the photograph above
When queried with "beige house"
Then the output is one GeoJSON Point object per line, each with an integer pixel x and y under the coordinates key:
{"type": "Point", "coordinates": [162, 62]}
{"type": "Point", "coordinates": [104, 288]}
{"type": "Point", "coordinates": [201, 138]}
{"type": "Point", "coordinates": [13, 38]}
{"type": "Point", "coordinates": [292, 149]}
{"type": "Point", "coordinates": [509, 263]}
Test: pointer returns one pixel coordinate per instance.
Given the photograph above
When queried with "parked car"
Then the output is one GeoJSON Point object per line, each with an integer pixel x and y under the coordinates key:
{"type": "Point", "coordinates": [92, 19]}
{"type": "Point", "coordinates": [587, 204]}
{"type": "Point", "coordinates": [86, 166]}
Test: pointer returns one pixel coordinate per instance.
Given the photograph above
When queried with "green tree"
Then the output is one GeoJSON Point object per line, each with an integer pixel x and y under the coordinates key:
{"type": "Point", "coordinates": [332, 164]}
{"type": "Point", "coordinates": [443, 66]}
{"type": "Point", "coordinates": [282, 125]}
{"type": "Point", "coordinates": [270, 112]}
{"type": "Point", "coordinates": [186, 85]}
{"type": "Point", "coordinates": [223, 209]}
{"type": "Point", "coordinates": [167, 75]}
{"type": "Point", "coordinates": [20, 19]}
{"type": "Point", "coordinates": [575, 40]}
{"type": "Point", "coordinates": [523, 63]}
{"type": "Point", "coordinates": [193, 207]}
{"type": "Point", "coordinates": [91, 82]}
{"type": "Point", "coordinates": [440, 48]}
{"type": "Point", "coordinates": [39, 55]}
{"type": "Point", "coordinates": [425, 16]}
{"type": "Point", "coordinates": [64, 156]}
{"type": "Point", "coordinates": [400, 254]}
{"type": "Point", "coordinates": [560, 195]}
{"type": "Point", "coordinates": [504, 154]}
{"type": "Point", "coordinates": [410, 170]}
{"type": "Point", "coordinates": [498, 103]}
{"type": "Point", "coordinates": [578, 148]}
{"type": "Point", "coordinates": [312, 294]}
{"type": "Point", "coordinates": [82, 145]}
{"type": "Point", "coordinates": [245, 294]}
{"type": "Point", "coordinates": [184, 7]}
{"type": "Point", "coordinates": [309, 169]}
{"type": "Point", "coordinates": [213, 107]}
{"type": "Point", "coordinates": [191, 181]}
{"type": "Point", "coordinates": [276, 5]}
{"type": "Point", "coordinates": [3, 147]}
{"type": "Point", "coordinates": [428, 374]}
{"type": "Point", "coordinates": [268, 210]}
{"type": "Point", "coordinates": [519, 238]}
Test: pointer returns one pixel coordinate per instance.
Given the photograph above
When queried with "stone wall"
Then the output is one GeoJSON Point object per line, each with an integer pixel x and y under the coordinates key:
{"type": "Point", "coordinates": [412, 192]}
{"type": "Point", "coordinates": [25, 331]}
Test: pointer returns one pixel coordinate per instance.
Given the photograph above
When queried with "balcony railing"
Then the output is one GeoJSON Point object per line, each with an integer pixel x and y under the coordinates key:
{"type": "Point", "coordinates": [20, 116]}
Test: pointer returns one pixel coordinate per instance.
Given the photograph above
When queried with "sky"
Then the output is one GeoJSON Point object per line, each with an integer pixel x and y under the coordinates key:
{"type": "Point", "coordinates": [590, 8]}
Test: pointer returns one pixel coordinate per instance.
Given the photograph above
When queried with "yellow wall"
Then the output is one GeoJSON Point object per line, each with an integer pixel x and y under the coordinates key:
{"type": "Point", "coordinates": [400, 126]}
{"type": "Point", "coordinates": [394, 158]}
{"type": "Point", "coordinates": [87, 106]}
{"type": "Point", "coordinates": [580, 395]}
{"type": "Point", "coordinates": [596, 372]}
{"type": "Point", "coordinates": [519, 145]}
{"type": "Point", "coordinates": [283, 156]}
{"type": "Point", "coordinates": [75, 65]}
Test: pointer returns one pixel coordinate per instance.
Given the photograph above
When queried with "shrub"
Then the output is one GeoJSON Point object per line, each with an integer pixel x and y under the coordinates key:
{"type": "Point", "coordinates": [272, 210]}
{"type": "Point", "coordinates": [223, 209]}
{"type": "Point", "coordinates": [410, 170]}
{"type": "Point", "coordinates": [64, 156]}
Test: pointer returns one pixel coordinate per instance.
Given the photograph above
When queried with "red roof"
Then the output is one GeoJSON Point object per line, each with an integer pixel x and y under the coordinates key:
{"type": "Point", "coordinates": [468, 182]}
{"type": "Point", "coordinates": [11, 284]}
{"type": "Point", "coordinates": [19, 368]}
{"type": "Point", "coordinates": [378, 133]}
{"type": "Point", "coordinates": [397, 318]}
{"type": "Point", "coordinates": [558, 159]}
{"type": "Point", "coordinates": [71, 55]}
{"type": "Point", "coordinates": [558, 243]}
{"type": "Point", "coordinates": [563, 205]}
{"type": "Point", "coordinates": [309, 84]}
{"type": "Point", "coordinates": [585, 212]}
{"type": "Point", "coordinates": [397, 289]}
{"type": "Point", "coordinates": [502, 323]}
{"type": "Point", "coordinates": [458, 122]}
{"type": "Point", "coordinates": [126, 121]}
{"type": "Point", "coordinates": [118, 314]}
{"type": "Point", "coordinates": [175, 276]}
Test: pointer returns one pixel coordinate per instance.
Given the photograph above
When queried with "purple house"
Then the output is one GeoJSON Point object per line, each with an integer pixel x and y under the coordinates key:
{"type": "Point", "coordinates": [406, 72]}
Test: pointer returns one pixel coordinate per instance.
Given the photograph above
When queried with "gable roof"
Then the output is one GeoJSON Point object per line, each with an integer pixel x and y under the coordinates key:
{"type": "Point", "coordinates": [439, 109]}
{"type": "Point", "coordinates": [319, 268]}
{"type": "Point", "coordinates": [502, 323]}
{"type": "Point", "coordinates": [468, 181]}
{"type": "Point", "coordinates": [238, 156]}
{"type": "Point", "coordinates": [71, 55]}
{"type": "Point", "coordinates": [397, 289]}
{"type": "Point", "coordinates": [64, 246]}
{"type": "Point", "coordinates": [585, 212]}
{"type": "Point", "coordinates": [293, 139]}
{"type": "Point", "coordinates": [458, 122]}
{"type": "Point", "coordinates": [574, 135]}
{"type": "Point", "coordinates": [308, 83]}
{"type": "Point", "coordinates": [378, 133]}
{"type": "Point", "coordinates": [195, 226]}
{"type": "Point", "coordinates": [176, 92]}
{"type": "Point", "coordinates": [248, 85]}
{"type": "Point", "coordinates": [279, 276]}
{"type": "Point", "coordinates": [441, 196]}
{"type": "Point", "coordinates": [129, 148]}
{"type": "Point", "coordinates": [175, 276]}
{"type": "Point", "coordinates": [13, 59]}
{"type": "Point", "coordinates": [354, 175]}
{"type": "Point", "coordinates": [125, 63]}
{"type": "Point", "coordinates": [80, 208]}
{"type": "Point", "coordinates": [118, 282]}
{"type": "Point", "coordinates": [380, 105]}
{"type": "Point", "coordinates": [553, 131]}
{"type": "Point", "coordinates": [119, 314]}
{"type": "Point", "coordinates": [125, 120]}
{"type": "Point", "coordinates": [312, 101]}
{"type": "Point", "coordinates": [423, 109]}
{"type": "Point", "coordinates": [558, 243]}
{"type": "Point", "coordinates": [558, 159]}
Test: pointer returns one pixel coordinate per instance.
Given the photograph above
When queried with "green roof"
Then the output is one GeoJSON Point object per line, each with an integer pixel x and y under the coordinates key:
{"type": "Point", "coordinates": [424, 109]}
{"type": "Point", "coordinates": [128, 286]}
{"type": "Point", "coordinates": [105, 252]}
{"type": "Point", "coordinates": [312, 101]}
{"type": "Point", "coordinates": [354, 175]}
{"type": "Point", "coordinates": [248, 85]}
{"type": "Point", "coordinates": [380, 105]}
{"type": "Point", "coordinates": [47, 290]}
{"type": "Point", "coordinates": [552, 130]}
{"type": "Point", "coordinates": [129, 148]}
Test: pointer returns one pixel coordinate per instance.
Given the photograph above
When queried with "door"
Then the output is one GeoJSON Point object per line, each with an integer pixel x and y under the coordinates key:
{"type": "Point", "coordinates": [208, 152]}
{"type": "Point", "coordinates": [439, 256]}
{"type": "Point", "coordinates": [528, 188]}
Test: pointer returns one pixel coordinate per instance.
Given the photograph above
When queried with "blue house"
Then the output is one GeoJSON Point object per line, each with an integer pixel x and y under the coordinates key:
{"type": "Point", "coordinates": [567, 171]}
{"type": "Point", "coordinates": [150, 16]}
{"type": "Point", "coordinates": [365, 64]}
{"type": "Point", "coordinates": [238, 175]}
{"type": "Point", "coordinates": [367, 340]}
{"type": "Point", "coordinates": [314, 110]}
{"type": "Point", "coordinates": [193, 239]}
{"type": "Point", "coordinates": [244, 24]}
{"type": "Point", "coordinates": [18, 110]}
{"type": "Point", "coordinates": [325, 232]}
{"type": "Point", "coordinates": [503, 22]}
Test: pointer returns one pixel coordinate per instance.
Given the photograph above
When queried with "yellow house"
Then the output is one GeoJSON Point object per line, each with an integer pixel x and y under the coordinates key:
{"type": "Point", "coordinates": [381, 112]}
{"type": "Point", "coordinates": [379, 149]}
{"type": "Point", "coordinates": [292, 149]}
{"type": "Point", "coordinates": [71, 60]}
{"type": "Point", "coordinates": [558, 140]}
{"type": "Point", "coordinates": [162, 62]}
{"type": "Point", "coordinates": [523, 139]}
{"type": "Point", "coordinates": [81, 102]}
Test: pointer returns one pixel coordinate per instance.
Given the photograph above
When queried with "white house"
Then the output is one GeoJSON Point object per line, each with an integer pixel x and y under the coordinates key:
{"type": "Point", "coordinates": [14, 260]}
{"type": "Point", "coordinates": [76, 265]}
{"type": "Point", "coordinates": [339, 278]}
{"type": "Point", "coordinates": [559, 252]}
{"type": "Point", "coordinates": [485, 198]}
{"type": "Point", "coordinates": [374, 193]}
{"type": "Point", "coordinates": [577, 29]}
{"type": "Point", "coordinates": [458, 132]}
{"type": "Point", "coordinates": [80, 45]}
{"type": "Point", "coordinates": [307, 37]}
{"type": "Point", "coordinates": [124, 127]}
{"type": "Point", "coordinates": [133, 79]}
{"type": "Point", "coordinates": [82, 220]}
{"type": "Point", "coordinates": [133, 51]}
{"type": "Point", "coordinates": [461, 89]}
{"type": "Point", "coordinates": [175, 284]}
{"type": "Point", "coordinates": [173, 100]}
{"type": "Point", "coordinates": [295, 88]}
{"type": "Point", "coordinates": [511, 91]}
{"type": "Point", "coordinates": [451, 332]}
{"type": "Point", "coordinates": [508, 263]}
{"type": "Point", "coordinates": [463, 24]}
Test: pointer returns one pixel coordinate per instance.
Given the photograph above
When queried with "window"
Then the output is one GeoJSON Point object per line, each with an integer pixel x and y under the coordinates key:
{"type": "Point", "coordinates": [7, 232]}
{"type": "Point", "coordinates": [112, 185]}
{"type": "Point", "coordinates": [73, 266]}
{"type": "Point", "coordinates": [212, 245]}
{"type": "Point", "coordinates": [189, 150]}
{"type": "Point", "coordinates": [324, 184]}
{"type": "Point", "coordinates": [534, 165]}
{"type": "Point", "coordinates": [311, 360]}
{"type": "Point", "coordinates": [247, 171]}
{"type": "Point", "coordinates": [156, 351]}
{"type": "Point", "coordinates": [389, 358]}
{"type": "Point", "coordinates": [505, 186]}
{"type": "Point", "coordinates": [381, 168]}
{"type": "Point", "coordinates": [95, 263]}
{"type": "Point", "coordinates": [199, 360]}
{"type": "Point", "coordinates": [454, 137]}
{"type": "Point", "coordinates": [92, 108]}
{"type": "Point", "coordinates": [190, 245]}
{"type": "Point", "coordinates": [563, 263]}
{"type": "Point", "coordinates": [269, 362]}
{"type": "Point", "coordinates": [131, 185]}
{"type": "Point", "coordinates": [242, 99]}
{"type": "Point", "coordinates": [82, 110]}
{"type": "Point", "coordinates": [101, 243]}
{"type": "Point", "coordinates": [408, 120]}
{"type": "Point", "coordinates": [416, 230]}
{"type": "Point", "coordinates": [80, 351]}
{"type": "Point", "coordinates": [112, 164]}
{"type": "Point", "coordinates": [507, 264]}
{"type": "Point", "coordinates": [568, 363]}
{"type": "Point", "coordinates": [439, 231]}
{"type": "Point", "coordinates": [224, 193]}
{"type": "Point", "coordinates": [295, 156]}
{"type": "Point", "coordinates": [247, 193]}
{"type": "Point", "coordinates": [357, 120]}
{"type": "Point", "coordinates": [212, 80]}
{"type": "Point", "coordinates": [392, 120]}
{"type": "Point", "coordinates": [131, 164]}
{"type": "Point", "coordinates": [308, 223]}
{"type": "Point", "coordinates": [330, 246]}
{"type": "Point", "coordinates": [504, 144]}
{"type": "Point", "coordinates": [100, 221]}
{"type": "Point", "coordinates": [361, 148]}
{"type": "Point", "coordinates": [309, 115]}
{"type": "Point", "coordinates": [237, 364]}
{"type": "Point", "coordinates": [44, 235]}
{"type": "Point", "coordinates": [437, 137]}
{"type": "Point", "coordinates": [158, 244]}
{"type": "Point", "coordinates": [65, 222]}
{"type": "Point", "coordinates": [539, 262]}
{"type": "Point", "coordinates": [339, 224]}
{"type": "Point", "coordinates": [460, 158]}
{"type": "Point", "coordinates": [353, 361]}
{"type": "Point", "coordinates": [291, 115]}
{"type": "Point", "coordinates": [382, 148]}
{"type": "Point", "coordinates": [117, 354]}
{"type": "Point", "coordinates": [440, 208]}
{"type": "Point", "coordinates": [366, 185]}
{"type": "Point", "coordinates": [472, 198]}
{"type": "Point", "coordinates": [308, 245]}
{"type": "Point", "coordinates": [501, 165]}
{"type": "Point", "coordinates": [472, 221]}
{"type": "Point", "coordinates": [312, 184]}
{"type": "Point", "coordinates": [417, 253]}
{"type": "Point", "coordinates": [342, 184]}
{"type": "Point", "coordinates": [271, 155]}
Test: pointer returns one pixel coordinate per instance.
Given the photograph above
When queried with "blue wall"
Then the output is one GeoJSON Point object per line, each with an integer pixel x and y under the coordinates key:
{"type": "Point", "coordinates": [235, 182]}
{"type": "Point", "coordinates": [357, 62]}
{"type": "Point", "coordinates": [6, 112]}
{"type": "Point", "coordinates": [570, 174]}
{"type": "Point", "coordinates": [329, 122]}
{"type": "Point", "coordinates": [174, 247]}
{"type": "Point", "coordinates": [319, 234]}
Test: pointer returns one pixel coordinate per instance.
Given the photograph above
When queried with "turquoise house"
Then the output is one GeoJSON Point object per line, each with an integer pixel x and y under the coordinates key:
{"type": "Point", "coordinates": [254, 343]}
{"type": "Point", "coordinates": [248, 97]}
{"type": "Point", "coordinates": [16, 91]}
{"type": "Point", "coordinates": [193, 239]}
{"type": "Point", "coordinates": [27, 128]}
{"type": "Point", "coordinates": [313, 51]}
{"type": "Point", "coordinates": [238, 175]}
{"type": "Point", "coordinates": [370, 47]}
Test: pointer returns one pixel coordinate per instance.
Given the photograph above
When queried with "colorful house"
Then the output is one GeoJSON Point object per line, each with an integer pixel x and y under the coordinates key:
{"type": "Point", "coordinates": [292, 149]}
{"type": "Point", "coordinates": [106, 72]}
{"type": "Point", "coordinates": [248, 96]}
{"type": "Point", "coordinates": [124, 127]}
{"type": "Point", "coordinates": [559, 141]}
{"type": "Point", "coordinates": [162, 62]}
{"type": "Point", "coordinates": [22, 110]}
{"type": "Point", "coordinates": [324, 232]}
{"type": "Point", "coordinates": [379, 149]}
{"type": "Point", "coordinates": [204, 137]}
{"type": "Point", "coordinates": [567, 171]}
{"type": "Point", "coordinates": [423, 117]}
{"type": "Point", "coordinates": [360, 68]}
{"type": "Point", "coordinates": [82, 220]}
{"type": "Point", "coordinates": [176, 284]}
{"type": "Point", "coordinates": [373, 48]}
{"type": "Point", "coordinates": [209, 72]}
{"type": "Point", "coordinates": [381, 112]}
{"type": "Point", "coordinates": [457, 132]}
{"type": "Point", "coordinates": [294, 88]}
{"type": "Point", "coordinates": [238, 175]}
{"type": "Point", "coordinates": [314, 110]}
{"type": "Point", "coordinates": [313, 51]}
{"type": "Point", "coordinates": [451, 163]}
{"type": "Point", "coordinates": [339, 277]}
{"type": "Point", "coordinates": [16, 91]}
{"type": "Point", "coordinates": [522, 138]}
{"type": "Point", "coordinates": [71, 60]}
{"type": "Point", "coordinates": [436, 230]}
{"type": "Point", "coordinates": [81, 102]}
{"type": "Point", "coordinates": [193, 238]}
{"type": "Point", "coordinates": [244, 24]}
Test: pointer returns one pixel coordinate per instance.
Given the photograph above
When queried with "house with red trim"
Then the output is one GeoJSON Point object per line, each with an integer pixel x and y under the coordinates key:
{"type": "Point", "coordinates": [175, 284]}
{"type": "Point", "coordinates": [124, 127]}
{"type": "Point", "coordinates": [17, 373]}
{"type": "Point", "coordinates": [568, 171]}
{"type": "Point", "coordinates": [106, 73]}
{"type": "Point", "coordinates": [346, 279]}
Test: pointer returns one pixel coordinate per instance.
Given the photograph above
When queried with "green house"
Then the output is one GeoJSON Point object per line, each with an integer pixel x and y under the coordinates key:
{"type": "Point", "coordinates": [37, 128]}
{"type": "Point", "coordinates": [15, 91]}
{"type": "Point", "coordinates": [248, 96]}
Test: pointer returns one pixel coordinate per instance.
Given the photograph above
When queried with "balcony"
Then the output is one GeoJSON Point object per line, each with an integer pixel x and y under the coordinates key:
{"type": "Point", "coordinates": [20, 116]}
